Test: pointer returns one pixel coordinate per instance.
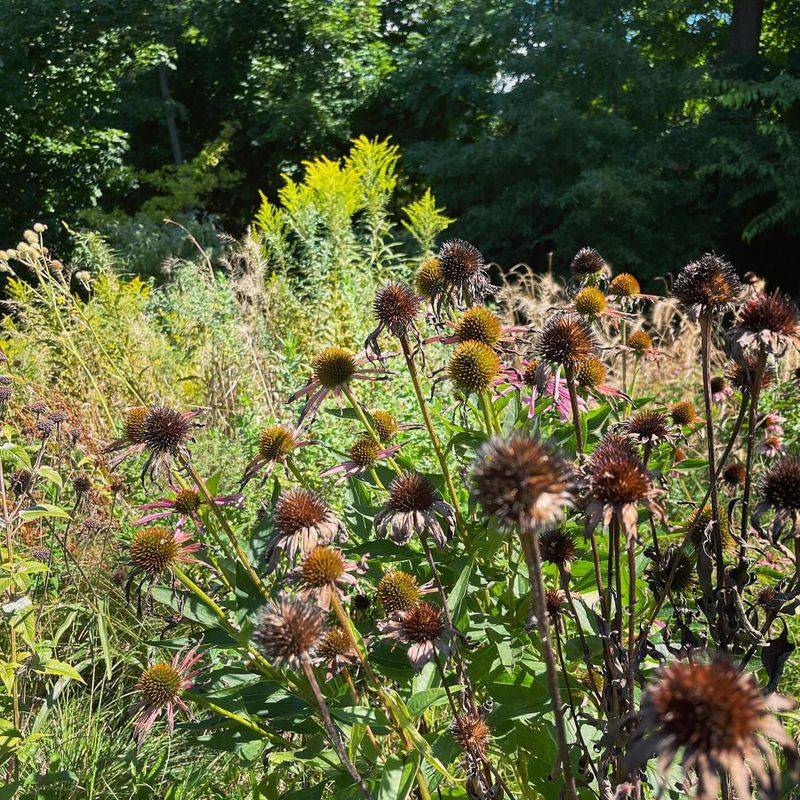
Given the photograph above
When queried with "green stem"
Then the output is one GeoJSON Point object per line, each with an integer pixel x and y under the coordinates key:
{"type": "Point", "coordinates": [356, 406]}
{"type": "Point", "coordinates": [199, 700]}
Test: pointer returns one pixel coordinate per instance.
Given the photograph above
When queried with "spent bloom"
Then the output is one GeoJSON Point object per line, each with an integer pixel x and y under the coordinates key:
{"type": "Point", "coordinates": [335, 652]}
{"type": "Point", "coordinates": [708, 284]}
{"type": "Point", "coordinates": [474, 367]}
{"type": "Point", "coordinates": [288, 631]}
{"type": "Point", "coordinates": [780, 492]}
{"type": "Point", "coordinates": [535, 380]}
{"type": "Point", "coordinates": [720, 389]}
{"type": "Point", "coordinates": [588, 265]}
{"type": "Point", "coordinates": [364, 453]}
{"type": "Point", "coordinates": [275, 444]}
{"type": "Point", "coordinates": [399, 591]}
{"type": "Point", "coordinates": [768, 321]}
{"type": "Point", "coordinates": [464, 273]}
{"type": "Point", "coordinates": [422, 628]}
{"type": "Point", "coordinates": [160, 688]}
{"type": "Point", "coordinates": [185, 503]}
{"type": "Point", "coordinates": [324, 571]}
{"type": "Point", "coordinates": [157, 549]}
{"type": "Point", "coordinates": [566, 340]}
{"type": "Point", "coordinates": [395, 307]}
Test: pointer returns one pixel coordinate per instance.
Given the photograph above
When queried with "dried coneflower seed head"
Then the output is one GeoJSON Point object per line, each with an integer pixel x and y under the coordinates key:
{"type": "Point", "coordinates": [297, 509]}
{"type": "Point", "coordinates": [160, 684]}
{"type": "Point", "coordinates": [478, 324]}
{"type": "Point", "coordinates": [154, 549]}
{"type": "Point", "coordinates": [557, 547]}
{"type": "Point", "coordinates": [186, 501]}
{"type": "Point", "coordinates": [334, 644]}
{"type": "Point", "coordinates": [429, 279]}
{"type": "Point", "coordinates": [709, 282]}
{"type": "Point", "coordinates": [775, 312]}
{"type": "Point", "coordinates": [591, 373]}
{"type": "Point", "coordinates": [21, 481]}
{"type": "Point", "coordinates": [617, 475]}
{"type": "Point", "coordinates": [683, 413]}
{"type": "Point", "coordinates": [780, 486]}
{"type": "Point", "coordinates": [471, 733]}
{"type": "Point", "coordinates": [385, 425]}
{"type": "Point", "coordinates": [6, 391]}
{"type": "Point", "coordinates": [323, 565]}
{"type": "Point", "coordinates": [566, 339]}
{"type": "Point", "coordinates": [398, 591]}
{"type": "Point", "coordinates": [587, 261]}
{"type": "Point", "coordinates": [648, 425]}
{"type": "Point", "coordinates": [683, 580]}
{"type": "Point", "coordinates": [473, 366]}
{"type": "Point", "coordinates": [554, 603]}
{"type": "Point", "coordinates": [134, 423]}
{"type": "Point", "coordinates": [411, 491]}
{"type": "Point", "coordinates": [287, 631]}
{"type": "Point", "coordinates": [640, 342]}
{"type": "Point", "coordinates": [742, 374]}
{"type": "Point", "coordinates": [590, 301]}
{"type": "Point", "coordinates": [275, 442]}
{"type": "Point", "coordinates": [698, 524]}
{"type": "Point", "coordinates": [734, 473]}
{"type": "Point", "coordinates": [624, 285]}
{"type": "Point", "coordinates": [766, 595]}
{"type": "Point", "coordinates": [423, 623]}
{"type": "Point", "coordinates": [459, 261]}
{"type": "Point", "coordinates": [395, 306]}
{"type": "Point", "coordinates": [334, 366]}
{"type": "Point", "coordinates": [522, 480]}
{"type": "Point", "coordinates": [81, 484]}
{"type": "Point", "coordinates": [364, 451]}
{"type": "Point", "coordinates": [165, 430]}
{"type": "Point", "coordinates": [717, 384]}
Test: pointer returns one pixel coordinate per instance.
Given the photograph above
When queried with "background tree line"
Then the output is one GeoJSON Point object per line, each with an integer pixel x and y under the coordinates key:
{"type": "Point", "coordinates": [652, 130]}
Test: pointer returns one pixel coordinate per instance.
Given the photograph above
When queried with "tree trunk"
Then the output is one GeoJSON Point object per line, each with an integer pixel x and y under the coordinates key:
{"type": "Point", "coordinates": [746, 27]}
{"type": "Point", "coordinates": [172, 128]}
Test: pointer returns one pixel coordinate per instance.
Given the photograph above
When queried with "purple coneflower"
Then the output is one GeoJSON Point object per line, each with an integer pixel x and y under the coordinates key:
{"type": "Point", "coordinates": [160, 688]}
{"type": "Point", "coordinates": [588, 265]}
{"type": "Point", "coordinates": [741, 374]}
{"type": "Point", "coordinates": [591, 375]}
{"type": "Point", "coordinates": [156, 549]}
{"type": "Point", "coordinates": [769, 321]}
{"type": "Point", "coordinates": [683, 413]}
{"type": "Point", "coordinates": [771, 446]}
{"type": "Point", "coordinates": [185, 503]}
{"type": "Point", "coordinates": [780, 492]}
{"type": "Point", "coordinates": [396, 306]}
{"type": "Point", "coordinates": [463, 272]}
{"type": "Point", "coordinates": [648, 427]}
{"type": "Point", "coordinates": [399, 591]}
{"type": "Point", "coordinates": [288, 631]}
{"type": "Point", "coordinates": [640, 345]}
{"type": "Point", "coordinates": [538, 380]}
{"type": "Point", "coordinates": [625, 287]}
{"type": "Point", "coordinates": [720, 389]}
{"type": "Point", "coordinates": [364, 453]}
{"type": "Point", "coordinates": [566, 340]}
{"type": "Point", "coordinates": [429, 281]}
{"type": "Point", "coordinates": [474, 367]}
{"type": "Point", "coordinates": [478, 324]}
{"type": "Point", "coordinates": [324, 571]}
{"type": "Point", "coordinates": [422, 628]}
{"type": "Point", "coordinates": [592, 302]}
{"type": "Point", "coordinates": [275, 444]}
{"type": "Point", "coordinates": [708, 284]}
{"type": "Point", "coordinates": [335, 652]}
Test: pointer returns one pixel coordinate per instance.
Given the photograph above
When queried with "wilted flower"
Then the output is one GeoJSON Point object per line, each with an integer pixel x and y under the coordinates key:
{"type": "Point", "coordinates": [399, 591]}
{"type": "Point", "coordinates": [155, 550]}
{"type": "Point", "coordinates": [324, 571]}
{"type": "Point", "coordinates": [658, 572]}
{"type": "Point", "coordinates": [625, 287]}
{"type": "Point", "coordinates": [414, 507]}
{"type": "Point", "coordinates": [185, 503]}
{"type": "Point", "coordinates": [463, 271]}
{"type": "Point", "coordinates": [587, 263]}
{"type": "Point", "coordinates": [640, 344]}
{"type": "Point", "coordinates": [780, 492]}
{"type": "Point", "coordinates": [473, 367]}
{"type": "Point", "coordinates": [710, 283]}
{"type": "Point", "coordinates": [160, 688]}
{"type": "Point", "coordinates": [648, 427]}
{"type": "Point", "coordinates": [683, 413]}
{"type": "Point", "coordinates": [771, 446]}
{"type": "Point", "coordinates": [471, 733]}
{"type": "Point", "coordinates": [335, 651]}
{"type": "Point", "coordinates": [522, 481]}
{"type": "Point", "coordinates": [592, 302]}
{"type": "Point", "coordinates": [364, 452]}
{"type": "Point", "coordinates": [734, 473]}
{"type": "Point", "coordinates": [396, 306]}
{"type": "Point", "coordinates": [721, 722]}
{"type": "Point", "coordinates": [538, 380]}
{"type": "Point", "coordinates": [387, 427]}
{"type": "Point", "coordinates": [566, 340]}
{"type": "Point", "coordinates": [429, 281]}
{"type": "Point", "coordinates": [275, 444]}
{"type": "Point", "coordinates": [557, 546]}
{"type": "Point", "coordinates": [769, 321]}
{"type": "Point", "coordinates": [742, 373]}
{"type": "Point", "coordinates": [288, 631]}
{"type": "Point", "coordinates": [422, 628]}
{"type": "Point", "coordinates": [592, 375]}
{"type": "Point", "coordinates": [302, 520]}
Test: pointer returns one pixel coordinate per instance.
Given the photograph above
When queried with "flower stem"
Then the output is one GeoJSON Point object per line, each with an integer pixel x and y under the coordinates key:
{"type": "Point", "coordinates": [755, 393]}
{"type": "Point", "coordinates": [573, 401]}
{"type": "Point", "coordinates": [199, 700]}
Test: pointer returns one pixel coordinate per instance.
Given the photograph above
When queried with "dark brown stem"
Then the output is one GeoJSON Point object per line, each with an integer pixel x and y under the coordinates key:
{"type": "Point", "coordinates": [755, 393]}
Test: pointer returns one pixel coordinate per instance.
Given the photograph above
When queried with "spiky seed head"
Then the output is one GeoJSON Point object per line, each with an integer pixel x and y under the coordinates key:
{"type": "Point", "coordinates": [566, 339]}
{"type": "Point", "coordinates": [459, 261]}
{"type": "Point", "coordinates": [591, 373]}
{"type": "Point", "coordinates": [395, 306]}
{"type": "Point", "coordinates": [385, 425]}
{"type": "Point", "coordinates": [522, 478]}
{"type": "Point", "coordinates": [780, 486]}
{"type": "Point", "coordinates": [734, 473]}
{"type": "Point", "coordinates": [640, 342]}
{"type": "Point", "coordinates": [297, 509]}
{"type": "Point", "coordinates": [648, 425]}
{"type": "Point", "coordinates": [766, 595]}
{"type": "Point", "coordinates": [587, 261]}
{"type": "Point", "coordinates": [471, 732]}
{"type": "Point", "coordinates": [6, 391]}
{"type": "Point", "coordinates": [287, 631]}
{"type": "Point", "coordinates": [275, 442]}
{"type": "Point", "coordinates": [712, 708]}
{"type": "Point", "coordinates": [554, 603]}
{"type": "Point", "coordinates": [683, 413]}
{"type": "Point", "coordinates": [165, 430]}
{"type": "Point", "coordinates": [81, 484]}
{"type": "Point", "coordinates": [742, 374]}
{"type": "Point", "coordinates": [322, 566]}
{"type": "Point", "coordinates": [473, 366]}
{"type": "Point", "coordinates": [423, 623]}
{"type": "Point", "coordinates": [153, 549]}
{"type": "Point", "coordinates": [617, 475]}
{"type": "Point", "coordinates": [624, 285]}
{"type": "Point", "coordinates": [775, 312]}
{"type": "Point", "coordinates": [364, 451]}
{"type": "Point", "coordinates": [58, 417]}
{"type": "Point", "coordinates": [334, 366]}
{"type": "Point", "coordinates": [334, 644]}
{"type": "Point", "coordinates": [411, 491]}
{"type": "Point", "coordinates": [557, 547]}
{"type": "Point", "coordinates": [429, 278]}
{"type": "Point", "coordinates": [718, 384]}
{"type": "Point", "coordinates": [478, 324]}
{"type": "Point", "coordinates": [398, 591]}
{"type": "Point", "coordinates": [38, 407]}
{"type": "Point", "coordinates": [697, 525]}
{"type": "Point", "coordinates": [160, 684]}
{"type": "Point", "coordinates": [41, 554]}
{"type": "Point", "coordinates": [683, 580]}
{"type": "Point", "coordinates": [529, 373]}
{"type": "Point", "coordinates": [186, 501]}
{"type": "Point", "coordinates": [21, 481]}
{"type": "Point", "coordinates": [590, 301]}
{"type": "Point", "coordinates": [710, 282]}
{"type": "Point", "coordinates": [361, 602]}
{"type": "Point", "coordinates": [134, 423]}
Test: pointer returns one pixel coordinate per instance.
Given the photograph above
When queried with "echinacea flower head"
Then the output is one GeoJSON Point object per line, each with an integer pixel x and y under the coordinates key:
{"type": "Point", "coordinates": [160, 688]}
{"type": "Point", "coordinates": [399, 591]}
{"type": "Point", "coordinates": [624, 285]}
{"type": "Point", "coordinates": [185, 503]}
{"type": "Point", "coordinates": [156, 549]}
{"type": "Point", "coordinates": [396, 306]}
{"type": "Point", "coordinates": [6, 392]}
{"type": "Point", "coordinates": [710, 283]}
{"type": "Point", "coordinates": [566, 340]}
{"type": "Point", "coordinates": [780, 491]}
{"type": "Point", "coordinates": [590, 301]}
{"type": "Point", "coordinates": [324, 571]}
{"type": "Point", "coordinates": [386, 426]}
{"type": "Point", "coordinates": [741, 374]}
{"type": "Point", "coordinates": [640, 342]}
{"type": "Point", "coordinates": [464, 271]}
{"type": "Point", "coordinates": [716, 717]}
{"type": "Point", "coordinates": [478, 324]}
{"type": "Point", "coordinates": [133, 424]}
{"type": "Point", "coordinates": [522, 481]}
{"type": "Point", "coordinates": [591, 373]}
{"type": "Point", "coordinates": [587, 262]}
{"type": "Point", "coordinates": [335, 651]}
{"type": "Point", "coordinates": [554, 604]}
{"type": "Point", "coordinates": [82, 484]}
{"type": "Point", "coordinates": [720, 389]}
{"type": "Point", "coordinates": [684, 578]}
{"type": "Point", "coordinates": [302, 520]}
{"type": "Point", "coordinates": [288, 631]}
{"type": "Point", "coordinates": [473, 367]}
{"type": "Point", "coordinates": [363, 454]}
{"type": "Point", "coordinates": [557, 546]}
{"type": "Point", "coordinates": [275, 444]}
{"type": "Point", "coordinates": [648, 427]}
{"type": "Point", "coordinates": [21, 481]}
{"type": "Point", "coordinates": [414, 508]}
{"type": "Point", "coordinates": [471, 732]}
{"type": "Point", "coordinates": [769, 321]}
{"type": "Point", "coordinates": [734, 474]}
{"type": "Point", "coordinates": [422, 628]}
{"type": "Point", "coordinates": [429, 281]}
{"type": "Point", "coordinates": [698, 526]}
{"type": "Point", "coordinates": [683, 413]}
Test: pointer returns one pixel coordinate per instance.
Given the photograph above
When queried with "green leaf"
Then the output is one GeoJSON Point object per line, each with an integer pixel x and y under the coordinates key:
{"type": "Point", "coordinates": [43, 511]}
{"type": "Point", "coordinates": [10, 739]}
{"type": "Point", "coordinates": [51, 475]}
{"type": "Point", "coordinates": [428, 698]}
{"type": "Point", "coordinates": [398, 777]}
{"type": "Point", "coordinates": [55, 667]}
{"type": "Point", "coordinates": [459, 592]}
